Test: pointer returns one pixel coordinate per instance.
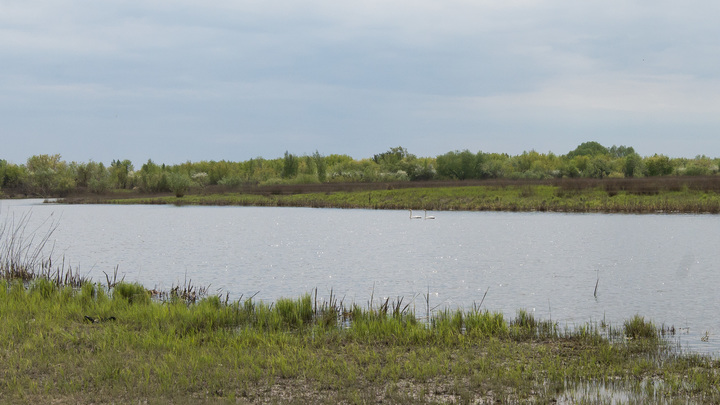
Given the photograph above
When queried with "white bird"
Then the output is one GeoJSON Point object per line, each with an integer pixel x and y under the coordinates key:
{"type": "Point", "coordinates": [414, 216]}
{"type": "Point", "coordinates": [428, 216]}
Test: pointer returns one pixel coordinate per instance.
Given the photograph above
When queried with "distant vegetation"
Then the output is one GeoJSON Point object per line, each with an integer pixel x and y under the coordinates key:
{"type": "Point", "coordinates": [49, 175]}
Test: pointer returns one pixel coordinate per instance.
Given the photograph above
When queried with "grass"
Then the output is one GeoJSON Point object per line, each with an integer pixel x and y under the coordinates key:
{"type": "Point", "coordinates": [688, 195]}
{"type": "Point", "coordinates": [93, 345]}
{"type": "Point", "coordinates": [638, 328]}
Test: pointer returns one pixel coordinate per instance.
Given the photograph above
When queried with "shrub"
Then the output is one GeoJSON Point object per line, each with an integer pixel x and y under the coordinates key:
{"type": "Point", "coordinates": [231, 181]}
{"type": "Point", "coordinates": [179, 183]}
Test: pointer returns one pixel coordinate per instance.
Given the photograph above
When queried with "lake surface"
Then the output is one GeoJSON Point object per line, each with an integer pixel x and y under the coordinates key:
{"type": "Point", "coordinates": [664, 267]}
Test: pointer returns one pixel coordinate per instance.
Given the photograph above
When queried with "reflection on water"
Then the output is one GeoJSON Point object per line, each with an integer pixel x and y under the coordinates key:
{"type": "Point", "coordinates": [612, 392]}
{"type": "Point", "coordinates": [659, 266]}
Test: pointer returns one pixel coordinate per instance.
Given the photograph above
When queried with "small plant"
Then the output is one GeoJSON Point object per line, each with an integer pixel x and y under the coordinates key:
{"type": "Point", "coordinates": [638, 328]}
{"type": "Point", "coordinates": [42, 286]}
{"type": "Point", "coordinates": [485, 323]}
{"type": "Point", "coordinates": [525, 320]}
{"type": "Point", "coordinates": [133, 293]}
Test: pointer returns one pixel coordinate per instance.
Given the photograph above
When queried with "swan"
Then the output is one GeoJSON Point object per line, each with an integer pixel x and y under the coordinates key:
{"type": "Point", "coordinates": [414, 216]}
{"type": "Point", "coordinates": [428, 216]}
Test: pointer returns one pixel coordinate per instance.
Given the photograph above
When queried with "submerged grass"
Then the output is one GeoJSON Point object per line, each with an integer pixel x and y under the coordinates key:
{"type": "Point", "coordinates": [93, 345]}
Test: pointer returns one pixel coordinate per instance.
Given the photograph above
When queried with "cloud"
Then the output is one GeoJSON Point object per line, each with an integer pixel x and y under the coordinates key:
{"type": "Point", "coordinates": [354, 77]}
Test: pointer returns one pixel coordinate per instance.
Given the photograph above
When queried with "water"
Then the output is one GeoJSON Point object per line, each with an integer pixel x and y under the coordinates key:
{"type": "Point", "coordinates": [663, 267]}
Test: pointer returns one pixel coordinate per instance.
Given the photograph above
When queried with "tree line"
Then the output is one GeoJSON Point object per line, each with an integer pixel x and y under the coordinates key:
{"type": "Point", "coordinates": [49, 175]}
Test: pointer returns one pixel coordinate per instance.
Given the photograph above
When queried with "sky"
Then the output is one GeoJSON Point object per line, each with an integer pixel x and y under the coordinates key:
{"type": "Point", "coordinates": [186, 80]}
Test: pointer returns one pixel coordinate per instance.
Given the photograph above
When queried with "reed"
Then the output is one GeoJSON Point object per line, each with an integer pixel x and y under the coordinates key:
{"type": "Point", "coordinates": [26, 253]}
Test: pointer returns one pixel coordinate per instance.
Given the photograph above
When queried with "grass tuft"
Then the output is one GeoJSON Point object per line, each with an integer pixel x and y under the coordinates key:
{"type": "Point", "coordinates": [133, 293]}
{"type": "Point", "coordinates": [638, 328]}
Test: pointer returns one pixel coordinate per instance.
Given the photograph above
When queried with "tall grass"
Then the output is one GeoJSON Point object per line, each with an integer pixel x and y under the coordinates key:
{"type": "Point", "coordinates": [638, 328]}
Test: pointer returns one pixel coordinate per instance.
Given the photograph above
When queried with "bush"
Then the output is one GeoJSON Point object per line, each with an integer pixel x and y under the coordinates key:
{"type": "Point", "coordinates": [304, 179]}
{"type": "Point", "coordinates": [231, 181]}
{"type": "Point", "coordinates": [179, 183]}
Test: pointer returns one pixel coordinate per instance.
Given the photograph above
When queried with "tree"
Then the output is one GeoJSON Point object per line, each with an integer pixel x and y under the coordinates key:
{"type": "Point", "coordinates": [321, 166]}
{"type": "Point", "coordinates": [658, 165]}
{"type": "Point", "coordinates": [591, 148]}
{"type": "Point", "coordinates": [621, 151]}
{"type": "Point", "coordinates": [153, 177]}
{"type": "Point", "coordinates": [49, 174]}
{"type": "Point", "coordinates": [460, 165]}
{"type": "Point", "coordinates": [179, 183]}
{"type": "Point", "coordinates": [391, 161]}
{"type": "Point", "coordinates": [632, 165]}
{"type": "Point", "coordinates": [11, 175]}
{"type": "Point", "coordinates": [120, 172]}
{"type": "Point", "coordinates": [100, 180]}
{"type": "Point", "coordinates": [290, 166]}
{"type": "Point", "coordinates": [599, 167]}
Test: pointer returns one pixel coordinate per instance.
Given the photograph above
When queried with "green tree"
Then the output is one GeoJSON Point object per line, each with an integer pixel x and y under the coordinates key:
{"type": "Point", "coordinates": [153, 178]}
{"type": "Point", "coordinates": [599, 167]}
{"type": "Point", "coordinates": [460, 165]}
{"type": "Point", "coordinates": [700, 166]}
{"type": "Point", "coordinates": [290, 166]}
{"type": "Point", "coordinates": [49, 175]}
{"type": "Point", "coordinates": [496, 165]}
{"type": "Point", "coordinates": [100, 180]}
{"type": "Point", "coordinates": [423, 169]}
{"type": "Point", "coordinates": [179, 183]}
{"type": "Point", "coordinates": [321, 166]}
{"type": "Point", "coordinates": [11, 175]}
{"type": "Point", "coordinates": [632, 165]}
{"type": "Point", "coordinates": [658, 165]}
{"type": "Point", "coordinates": [591, 148]}
{"type": "Point", "coordinates": [621, 151]}
{"type": "Point", "coordinates": [392, 160]}
{"type": "Point", "coordinates": [120, 172]}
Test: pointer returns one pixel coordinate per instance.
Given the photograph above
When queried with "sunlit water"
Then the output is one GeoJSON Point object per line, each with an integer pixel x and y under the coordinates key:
{"type": "Point", "coordinates": [664, 267]}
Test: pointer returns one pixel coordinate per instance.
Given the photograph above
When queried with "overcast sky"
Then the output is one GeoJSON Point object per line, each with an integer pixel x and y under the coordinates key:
{"type": "Point", "coordinates": [230, 79]}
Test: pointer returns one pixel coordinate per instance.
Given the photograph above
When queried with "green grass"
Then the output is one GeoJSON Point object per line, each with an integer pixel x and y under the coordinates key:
{"type": "Point", "coordinates": [527, 197]}
{"type": "Point", "coordinates": [90, 345]}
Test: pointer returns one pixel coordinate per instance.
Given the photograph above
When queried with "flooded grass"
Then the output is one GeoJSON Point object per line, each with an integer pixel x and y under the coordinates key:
{"type": "Point", "coordinates": [94, 345]}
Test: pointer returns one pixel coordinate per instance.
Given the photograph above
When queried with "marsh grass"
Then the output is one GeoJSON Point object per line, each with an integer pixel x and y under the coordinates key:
{"type": "Point", "coordinates": [638, 328]}
{"type": "Point", "coordinates": [94, 345]}
{"type": "Point", "coordinates": [669, 195]}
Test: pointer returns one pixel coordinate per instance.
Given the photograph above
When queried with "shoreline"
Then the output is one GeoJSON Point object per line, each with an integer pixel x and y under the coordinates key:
{"type": "Point", "coordinates": [94, 345]}
{"type": "Point", "coordinates": [510, 198]}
